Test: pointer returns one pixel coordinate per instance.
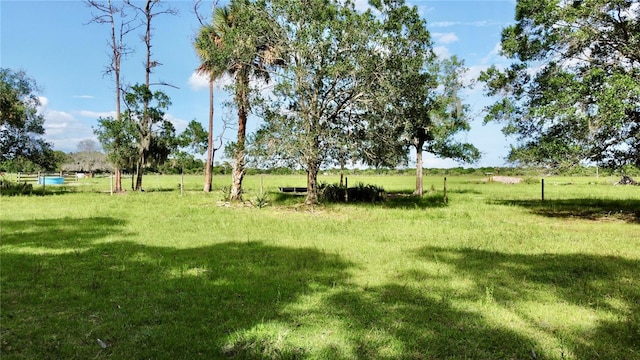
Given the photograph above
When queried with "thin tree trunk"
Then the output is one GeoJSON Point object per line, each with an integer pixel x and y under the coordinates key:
{"type": "Point", "coordinates": [117, 56]}
{"type": "Point", "coordinates": [208, 168]}
{"type": "Point", "coordinates": [146, 137]}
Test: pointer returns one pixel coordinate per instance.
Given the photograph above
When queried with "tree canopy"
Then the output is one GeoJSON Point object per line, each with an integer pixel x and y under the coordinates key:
{"type": "Point", "coordinates": [573, 91]}
{"type": "Point", "coordinates": [21, 125]}
{"type": "Point", "coordinates": [358, 86]}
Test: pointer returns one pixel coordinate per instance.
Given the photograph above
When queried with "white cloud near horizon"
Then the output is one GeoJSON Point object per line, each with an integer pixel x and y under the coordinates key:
{"type": "Point", "coordinates": [62, 128]}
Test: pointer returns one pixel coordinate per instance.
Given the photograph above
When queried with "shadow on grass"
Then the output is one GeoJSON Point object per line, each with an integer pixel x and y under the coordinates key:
{"type": "Point", "coordinates": [410, 201]}
{"type": "Point", "coordinates": [568, 291]}
{"type": "Point", "coordinates": [149, 302]}
{"type": "Point", "coordinates": [38, 190]}
{"type": "Point", "coordinates": [489, 305]}
{"type": "Point", "coordinates": [589, 209]}
{"type": "Point", "coordinates": [240, 300]}
{"type": "Point", "coordinates": [61, 233]}
{"type": "Point", "coordinates": [395, 321]}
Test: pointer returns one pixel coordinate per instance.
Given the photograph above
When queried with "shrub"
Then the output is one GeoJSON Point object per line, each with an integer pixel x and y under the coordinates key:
{"type": "Point", "coordinates": [15, 188]}
{"type": "Point", "coordinates": [360, 193]}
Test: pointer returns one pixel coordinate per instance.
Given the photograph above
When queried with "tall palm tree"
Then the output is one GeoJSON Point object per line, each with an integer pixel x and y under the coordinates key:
{"type": "Point", "coordinates": [207, 44]}
{"type": "Point", "coordinates": [235, 43]}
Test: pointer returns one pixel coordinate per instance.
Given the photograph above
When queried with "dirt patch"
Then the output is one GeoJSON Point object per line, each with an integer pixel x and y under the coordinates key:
{"type": "Point", "coordinates": [506, 179]}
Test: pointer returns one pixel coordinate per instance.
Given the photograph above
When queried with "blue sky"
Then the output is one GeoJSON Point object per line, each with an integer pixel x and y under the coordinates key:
{"type": "Point", "coordinates": [53, 43]}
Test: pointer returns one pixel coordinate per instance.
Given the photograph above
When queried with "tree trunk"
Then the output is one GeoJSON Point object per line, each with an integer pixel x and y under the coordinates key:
{"type": "Point", "coordinates": [237, 176]}
{"type": "Point", "coordinates": [243, 108]}
{"type": "Point", "coordinates": [419, 187]}
{"type": "Point", "coordinates": [312, 184]}
{"type": "Point", "coordinates": [139, 171]}
{"type": "Point", "coordinates": [139, 179]}
{"type": "Point", "coordinates": [118, 179]}
{"type": "Point", "coordinates": [139, 176]}
{"type": "Point", "coordinates": [208, 167]}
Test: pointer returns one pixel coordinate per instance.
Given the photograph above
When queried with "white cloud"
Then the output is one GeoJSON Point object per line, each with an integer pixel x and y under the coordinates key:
{"type": "Point", "coordinates": [442, 52]}
{"type": "Point", "coordinates": [493, 54]}
{"type": "Point", "coordinates": [361, 5]}
{"type": "Point", "coordinates": [200, 82]}
{"type": "Point", "coordinates": [95, 114]}
{"type": "Point", "coordinates": [479, 23]}
{"type": "Point", "coordinates": [444, 24]}
{"type": "Point", "coordinates": [62, 128]}
{"type": "Point", "coordinates": [445, 38]}
{"type": "Point", "coordinates": [83, 97]}
{"type": "Point", "coordinates": [472, 73]}
{"type": "Point", "coordinates": [43, 102]}
{"type": "Point", "coordinates": [179, 124]}
{"type": "Point", "coordinates": [424, 10]}
{"type": "Point", "coordinates": [430, 161]}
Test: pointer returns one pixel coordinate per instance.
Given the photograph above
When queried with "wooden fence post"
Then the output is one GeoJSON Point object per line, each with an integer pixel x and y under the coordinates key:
{"type": "Point", "coordinates": [542, 189]}
{"type": "Point", "coordinates": [261, 184]}
{"type": "Point", "coordinates": [445, 190]}
{"type": "Point", "coordinates": [346, 189]}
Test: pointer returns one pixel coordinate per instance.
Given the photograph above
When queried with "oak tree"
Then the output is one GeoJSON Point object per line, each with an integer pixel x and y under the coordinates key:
{"type": "Point", "coordinates": [572, 93]}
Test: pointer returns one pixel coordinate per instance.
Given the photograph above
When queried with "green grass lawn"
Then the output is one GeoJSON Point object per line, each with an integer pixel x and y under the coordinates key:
{"type": "Point", "coordinates": [494, 274]}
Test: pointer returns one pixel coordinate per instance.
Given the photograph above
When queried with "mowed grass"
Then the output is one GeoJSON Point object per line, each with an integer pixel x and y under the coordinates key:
{"type": "Point", "coordinates": [493, 274]}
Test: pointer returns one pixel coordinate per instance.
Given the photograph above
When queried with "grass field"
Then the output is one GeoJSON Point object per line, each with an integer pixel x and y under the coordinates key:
{"type": "Point", "coordinates": [493, 274]}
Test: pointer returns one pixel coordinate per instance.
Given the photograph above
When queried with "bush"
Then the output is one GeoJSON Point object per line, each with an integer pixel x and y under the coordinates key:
{"type": "Point", "coordinates": [335, 193]}
{"type": "Point", "coordinates": [15, 188]}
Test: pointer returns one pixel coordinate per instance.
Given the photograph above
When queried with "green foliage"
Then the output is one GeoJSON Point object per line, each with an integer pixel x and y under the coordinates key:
{"type": "Point", "coordinates": [182, 163]}
{"type": "Point", "coordinates": [241, 41]}
{"type": "Point", "coordinates": [261, 200]}
{"type": "Point", "coordinates": [20, 124]}
{"type": "Point", "coordinates": [194, 138]}
{"type": "Point", "coordinates": [315, 118]}
{"type": "Point", "coordinates": [386, 94]}
{"type": "Point", "coordinates": [361, 193]}
{"type": "Point", "coordinates": [573, 92]}
{"type": "Point", "coordinates": [118, 138]}
{"type": "Point", "coordinates": [10, 188]}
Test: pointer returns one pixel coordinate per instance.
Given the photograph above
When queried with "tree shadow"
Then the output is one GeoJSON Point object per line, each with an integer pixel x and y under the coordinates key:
{"type": "Point", "coordinates": [150, 302]}
{"type": "Point", "coordinates": [24, 189]}
{"type": "Point", "coordinates": [589, 209]}
{"type": "Point", "coordinates": [60, 233]}
{"type": "Point", "coordinates": [586, 284]}
{"type": "Point", "coordinates": [410, 201]}
{"type": "Point", "coordinates": [395, 321]}
{"type": "Point", "coordinates": [489, 305]}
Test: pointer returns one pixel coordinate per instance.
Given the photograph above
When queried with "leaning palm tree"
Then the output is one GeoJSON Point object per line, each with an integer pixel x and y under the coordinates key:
{"type": "Point", "coordinates": [242, 45]}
